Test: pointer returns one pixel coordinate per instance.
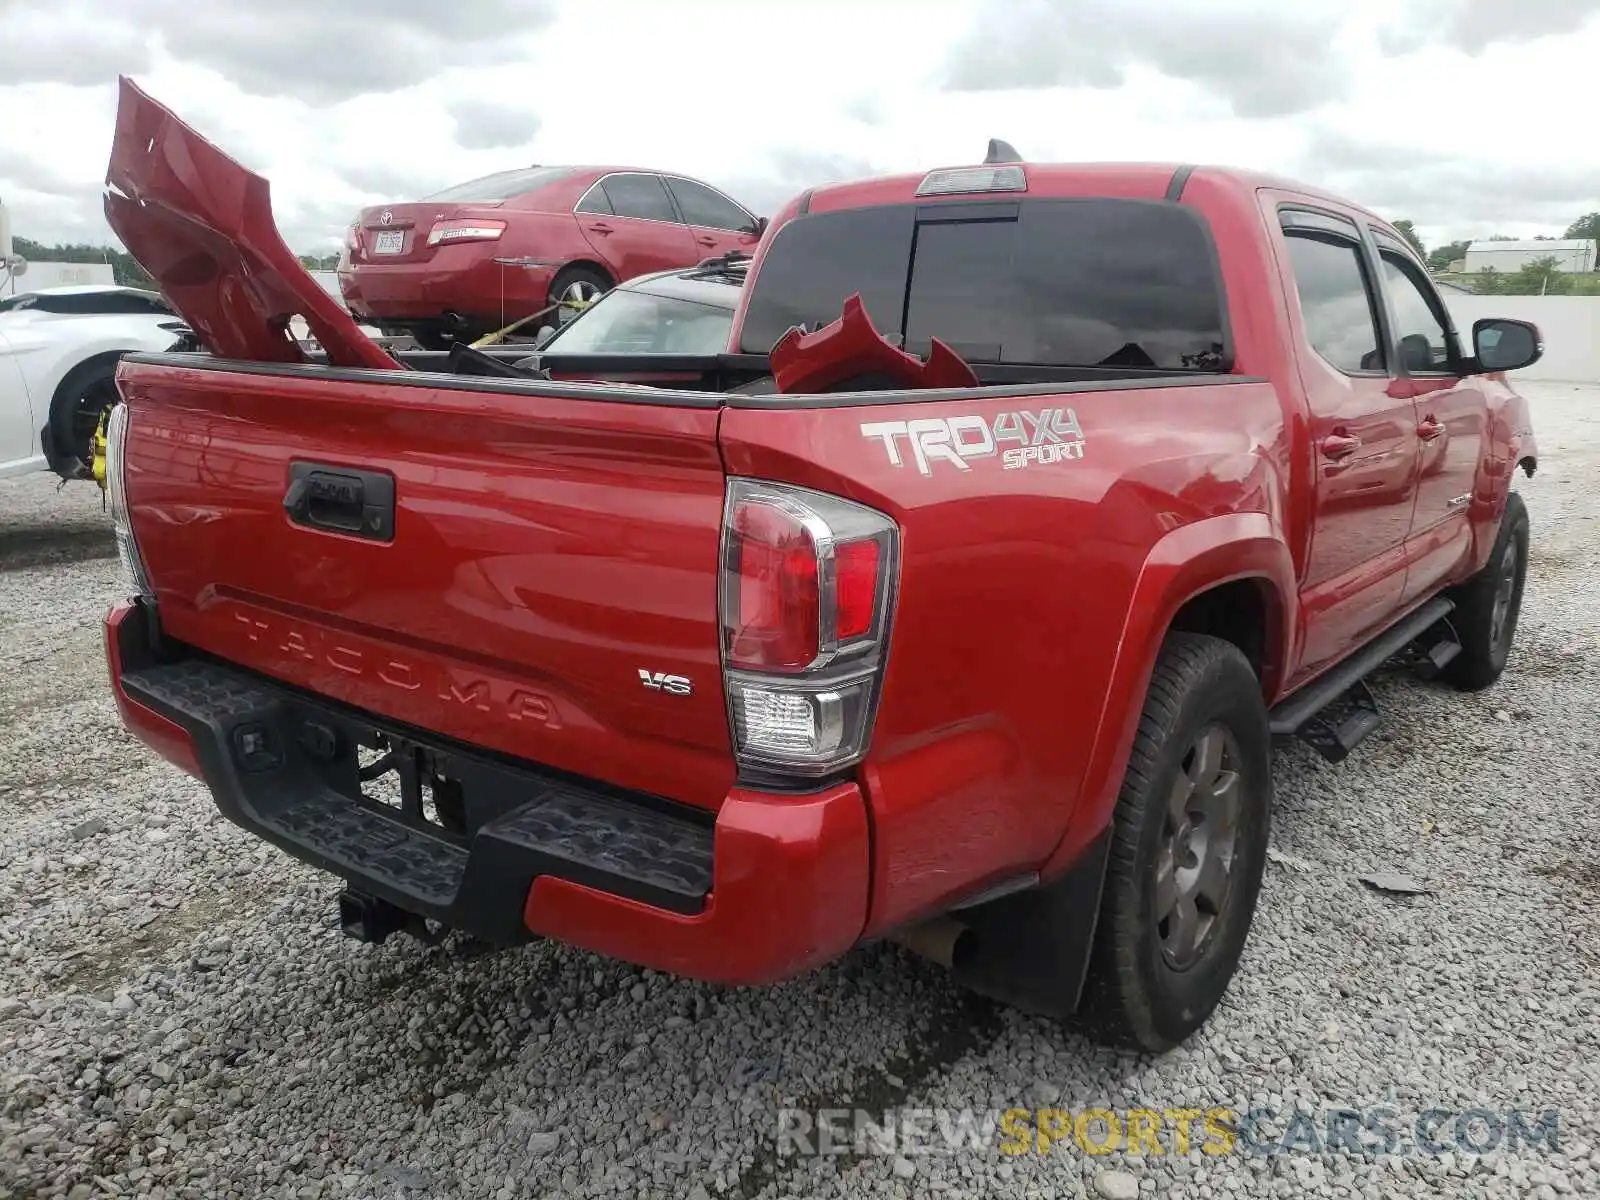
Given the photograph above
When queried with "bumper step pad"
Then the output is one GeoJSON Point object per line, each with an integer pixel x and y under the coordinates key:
{"type": "Point", "coordinates": [285, 767]}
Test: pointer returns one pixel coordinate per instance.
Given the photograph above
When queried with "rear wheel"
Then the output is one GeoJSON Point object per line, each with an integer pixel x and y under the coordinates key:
{"type": "Point", "coordinates": [1488, 604]}
{"type": "Point", "coordinates": [574, 290]}
{"type": "Point", "coordinates": [1189, 844]}
{"type": "Point", "coordinates": [75, 411]}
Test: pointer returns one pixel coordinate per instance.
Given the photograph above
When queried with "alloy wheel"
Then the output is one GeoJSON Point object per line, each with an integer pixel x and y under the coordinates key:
{"type": "Point", "coordinates": [574, 298]}
{"type": "Point", "coordinates": [1194, 868]}
{"type": "Point", "coordinates": [1505, 588]}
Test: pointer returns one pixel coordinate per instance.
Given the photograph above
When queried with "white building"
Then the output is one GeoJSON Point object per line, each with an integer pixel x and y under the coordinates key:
{"type": "Point", "coordinates": [1573, 255]}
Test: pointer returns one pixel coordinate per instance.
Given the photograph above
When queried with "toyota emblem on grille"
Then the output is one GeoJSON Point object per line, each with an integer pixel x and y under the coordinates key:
{"type": "Point", "coordinates": [385, 217]}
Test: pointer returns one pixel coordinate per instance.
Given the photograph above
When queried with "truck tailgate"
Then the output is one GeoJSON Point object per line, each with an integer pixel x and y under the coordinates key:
{"type": "Point", "coordinates": [550, 558]}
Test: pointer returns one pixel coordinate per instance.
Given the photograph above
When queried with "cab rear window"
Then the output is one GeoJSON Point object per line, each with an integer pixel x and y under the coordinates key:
{"type": "Point", "coordinates": [1067, 282]}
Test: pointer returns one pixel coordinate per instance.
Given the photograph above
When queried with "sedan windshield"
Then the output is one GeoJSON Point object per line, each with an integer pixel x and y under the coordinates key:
{"type": "Point", "coordinates": [630, 322]}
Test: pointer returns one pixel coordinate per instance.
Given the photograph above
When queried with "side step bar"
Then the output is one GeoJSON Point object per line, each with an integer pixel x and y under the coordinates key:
{"type": "Point", "coordinates": [1337, 711]}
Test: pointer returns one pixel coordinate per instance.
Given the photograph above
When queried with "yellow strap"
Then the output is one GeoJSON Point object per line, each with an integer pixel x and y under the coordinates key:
{"type": "Point", "coordinates": [490, 339]}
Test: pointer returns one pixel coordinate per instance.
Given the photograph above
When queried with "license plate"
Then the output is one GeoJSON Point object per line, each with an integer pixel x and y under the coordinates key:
{"type": "Point", "coordinates": [390, 241]}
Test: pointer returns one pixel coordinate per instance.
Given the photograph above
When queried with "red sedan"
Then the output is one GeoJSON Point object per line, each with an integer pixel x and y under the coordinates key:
{"type": "Point", "coordinates": [475, 257]}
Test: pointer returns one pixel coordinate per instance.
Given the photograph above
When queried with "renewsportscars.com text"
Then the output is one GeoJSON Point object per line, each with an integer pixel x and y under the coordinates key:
{"type": "Point", "coordinates": [1365, 1132]}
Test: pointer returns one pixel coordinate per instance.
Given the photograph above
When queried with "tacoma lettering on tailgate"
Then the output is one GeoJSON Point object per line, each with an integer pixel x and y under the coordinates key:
{"type": "Point", "coordinates": [1019, 438]}
{"type": "Point", "coordinates": [313, 645]}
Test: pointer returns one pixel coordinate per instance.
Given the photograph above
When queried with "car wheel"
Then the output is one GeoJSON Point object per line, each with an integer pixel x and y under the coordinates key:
{"type": "Point", "coordinates": [1488, 604]}
{"type": "Point", "coordinates": [574, 290]}
{"type": "Point", "coordinates": [75, 411]}
{"type": "Point", "coordinates": [1189, 844]}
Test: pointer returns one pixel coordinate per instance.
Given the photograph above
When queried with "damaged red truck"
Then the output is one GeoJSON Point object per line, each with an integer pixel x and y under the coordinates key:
{"type": "Point", "coordinates": [975, 635]}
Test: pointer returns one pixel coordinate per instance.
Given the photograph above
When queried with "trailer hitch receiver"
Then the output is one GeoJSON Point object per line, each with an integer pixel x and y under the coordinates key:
{"type": "Point", "coordinates": [371, 919]}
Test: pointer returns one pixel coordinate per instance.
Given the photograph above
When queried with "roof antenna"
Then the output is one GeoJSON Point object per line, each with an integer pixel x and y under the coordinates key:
{"type": "Point", "coordinates": [1001, 152]}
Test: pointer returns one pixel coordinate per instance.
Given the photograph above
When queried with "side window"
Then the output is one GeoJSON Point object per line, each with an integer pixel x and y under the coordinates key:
{"type": "Point", "coordinates": [595, 202]}
{"type": "Point", "coordinates": [1424, 344]}
{"type": "Point", "coordinates": [702, 206]}
{"type": "Point", "coordinates": [1336, 300]}
{"type": "Point", "coordinates": [641, 196]}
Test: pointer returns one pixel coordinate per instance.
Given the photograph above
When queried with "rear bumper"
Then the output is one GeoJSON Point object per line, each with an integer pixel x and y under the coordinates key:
{"type": "Point", "coordinates": [772, 886]}
{"type": "Point", "coordinates": [452, 282]}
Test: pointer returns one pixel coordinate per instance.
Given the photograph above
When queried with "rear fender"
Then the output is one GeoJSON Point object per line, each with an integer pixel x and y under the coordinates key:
{"type": "Point", "coordinates": [1510, 445]}
{"type": "Point", "coordinates": [1182, 565]}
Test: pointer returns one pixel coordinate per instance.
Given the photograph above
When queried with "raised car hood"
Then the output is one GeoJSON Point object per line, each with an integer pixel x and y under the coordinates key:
{"type": "Point", "coordinates": [202, 225]}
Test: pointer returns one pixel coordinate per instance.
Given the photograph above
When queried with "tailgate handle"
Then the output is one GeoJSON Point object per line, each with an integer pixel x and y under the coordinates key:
{"type": "Point", "coordinates": [341, 500]}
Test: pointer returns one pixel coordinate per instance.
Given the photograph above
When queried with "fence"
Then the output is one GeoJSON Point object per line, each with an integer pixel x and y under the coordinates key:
{"type": "Point", "coordinates": [1570, 325]}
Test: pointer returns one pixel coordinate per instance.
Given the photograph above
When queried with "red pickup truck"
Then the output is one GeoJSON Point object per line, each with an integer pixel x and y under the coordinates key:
{"type": "Point", "coordinates": [966, 618]}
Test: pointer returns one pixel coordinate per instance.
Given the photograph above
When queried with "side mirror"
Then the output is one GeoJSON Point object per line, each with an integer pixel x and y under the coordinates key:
{"type": "Point", "coordinates": [1501, 344]}
{"type": "Point", "coordinates": [540, 339]}
{"type": "Point", "coordinates": [760, 227]}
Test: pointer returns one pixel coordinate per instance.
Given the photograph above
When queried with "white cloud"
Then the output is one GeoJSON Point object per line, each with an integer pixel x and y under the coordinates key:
{"type": "Point", "coordinates": [1444, 111]}
{"type": "Point", "coordinates": [1265, 60]}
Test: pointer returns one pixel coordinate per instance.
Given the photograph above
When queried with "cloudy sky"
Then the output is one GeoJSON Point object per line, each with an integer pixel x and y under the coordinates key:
{"type": "Point", "coordinates": [1470, 117]}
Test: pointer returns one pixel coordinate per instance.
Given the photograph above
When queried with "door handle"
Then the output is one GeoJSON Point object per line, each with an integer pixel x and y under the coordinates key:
{"type": "Point", "coordinates": [1337, 446]}
{"type": "Point", "coordinates": [1430, 428]}
{"type": "Point", "coordinates": [600, 227]}
{"type": "Point", "coordinates": [706, 241]}
{"type": "Point", "coordinates": [339, 500]}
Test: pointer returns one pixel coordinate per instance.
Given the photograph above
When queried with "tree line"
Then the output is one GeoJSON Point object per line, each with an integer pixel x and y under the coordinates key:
{"type": "Point", "coordinates": [125, 269]}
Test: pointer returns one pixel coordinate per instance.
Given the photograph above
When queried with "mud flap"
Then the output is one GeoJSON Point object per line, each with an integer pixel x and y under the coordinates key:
{"type": "Point", "coordinates": [1031, 949]}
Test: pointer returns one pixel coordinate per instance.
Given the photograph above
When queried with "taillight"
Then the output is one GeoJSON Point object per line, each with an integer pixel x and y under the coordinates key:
{"type": "Point", "coordinates": [808, 585]}
{"type": "Point", "coordinates": [352, 238]}
{"type": "Point", "coordinates": [134, 580]}
{"type": "Point", "coordinates": [465, 231]}
{"type": "Point", "coordinates": [775, 620]}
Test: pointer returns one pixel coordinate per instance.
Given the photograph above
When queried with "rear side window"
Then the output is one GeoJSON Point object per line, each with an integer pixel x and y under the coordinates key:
{"type": "Point", "coordinates": [1336, 301]}
{"type": "Point", "coordinates": [639, 196]}
{"type": "Point", "coordinates": [500, 186]}
{"type": "Point", "coordinates": [595, 201]}
{"type": "Point", "coordinates": [703, 206]}
{"type": "Point", "coordinates": [1080, 283]}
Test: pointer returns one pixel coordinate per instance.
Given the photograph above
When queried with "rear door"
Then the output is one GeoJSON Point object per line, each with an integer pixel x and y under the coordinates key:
{"type": "Point", "coordinates": [1363, 433]}
{"type": "Point", "coordinates": [717, 223]}
{"type": "Point", "coordinates": [17, 426]}
{"type": "Point", "coordinates": [1451, 414]}
{"type": "Point", "coordinates": [630, 220]}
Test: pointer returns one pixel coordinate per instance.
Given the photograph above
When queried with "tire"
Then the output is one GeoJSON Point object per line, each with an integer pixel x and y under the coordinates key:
{"type": "Point", "coordinates": [1160, 965]}
{"type": "Point", "coordinates": [1488, 604]}
{"type": "Point", "coordinates": [575, 283]}
{"type": "Point", "coordinates": [75, 411]}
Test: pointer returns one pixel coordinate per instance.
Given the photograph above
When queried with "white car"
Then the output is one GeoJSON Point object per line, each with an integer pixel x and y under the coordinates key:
{"type": "Point", "coordinates": [58, 354]}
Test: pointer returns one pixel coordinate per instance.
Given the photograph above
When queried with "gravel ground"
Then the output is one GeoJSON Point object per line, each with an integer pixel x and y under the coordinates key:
{"type": "Point", "coordinates": [180, 1017]}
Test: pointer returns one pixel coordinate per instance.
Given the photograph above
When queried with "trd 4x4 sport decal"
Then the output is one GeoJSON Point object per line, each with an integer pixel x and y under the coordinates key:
{"type": "Point", "coordinates": [1050, 436]}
